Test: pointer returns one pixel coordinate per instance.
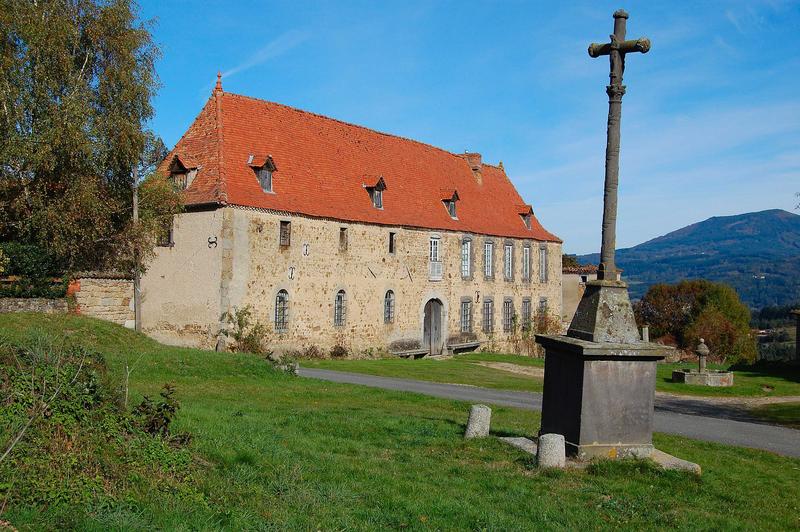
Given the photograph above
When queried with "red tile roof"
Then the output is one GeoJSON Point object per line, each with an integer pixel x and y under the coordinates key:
{"type": "Point", "coordinates": [323, 166]}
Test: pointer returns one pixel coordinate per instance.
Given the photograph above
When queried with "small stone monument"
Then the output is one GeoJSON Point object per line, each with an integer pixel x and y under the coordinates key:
{"type": "Point", "coordinates": [703, 376]}
{"type": "Point", "coordinates": [480, 419]}
{"type": "Point", "coordinates": [551, 451]}
{"type": "Point", "coordinates": [599, 381]}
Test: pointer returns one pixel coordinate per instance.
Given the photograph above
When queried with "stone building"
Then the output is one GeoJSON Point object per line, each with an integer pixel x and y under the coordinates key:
{"type": "Point", "coordinates": [573, 284]}
{"type": "Point", "coordinates": [335, 234]}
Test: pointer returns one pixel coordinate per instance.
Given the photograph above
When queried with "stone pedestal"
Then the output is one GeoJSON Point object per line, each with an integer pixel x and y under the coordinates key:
{"type": "Point", "coordinates": [600, 395]}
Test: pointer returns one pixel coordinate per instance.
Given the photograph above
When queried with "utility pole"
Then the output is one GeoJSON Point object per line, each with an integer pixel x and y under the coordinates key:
{"type": "Point", "coordinates": [137, 289]}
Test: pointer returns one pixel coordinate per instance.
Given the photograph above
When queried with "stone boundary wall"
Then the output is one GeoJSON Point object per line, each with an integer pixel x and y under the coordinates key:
{"type": "Point", "coordinates": [32, 304]}
{"type": "Point", "coordinates": [107, 297]}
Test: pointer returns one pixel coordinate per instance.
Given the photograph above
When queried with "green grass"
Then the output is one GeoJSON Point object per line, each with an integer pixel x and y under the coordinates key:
{"type": "Point", "coordinates": [463, 369]}
{"type": "Point", "coordinates": [279, 452]}
{"type": "Point", "coordinates": [786, 414]}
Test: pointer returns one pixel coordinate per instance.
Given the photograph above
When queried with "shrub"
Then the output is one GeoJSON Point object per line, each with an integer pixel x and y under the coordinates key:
{"type": "Point", "coordinates": [65, 439]}
{"type": "Point", "coordinates": [155, 418]}
{"type": "Point", "coordinates": [339, 351]}
{"type": "Point", "coordinates": [249, 335]}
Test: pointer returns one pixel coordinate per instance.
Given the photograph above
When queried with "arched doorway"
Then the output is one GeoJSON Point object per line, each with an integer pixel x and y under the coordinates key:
{"type": "Point", "coordinates": [432, 327]}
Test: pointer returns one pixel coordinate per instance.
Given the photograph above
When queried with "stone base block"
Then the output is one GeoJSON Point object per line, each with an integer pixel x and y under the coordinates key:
{"type": "Point", "coordinates": [667, 461]}
{"type": "Point", "coordinates": [610, 451]}
{"type": "Point", "coordinates": [708, 378]}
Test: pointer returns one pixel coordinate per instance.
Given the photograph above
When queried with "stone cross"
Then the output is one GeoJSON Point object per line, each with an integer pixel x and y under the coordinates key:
{"type": "Point", "coordinates": [616, 51]}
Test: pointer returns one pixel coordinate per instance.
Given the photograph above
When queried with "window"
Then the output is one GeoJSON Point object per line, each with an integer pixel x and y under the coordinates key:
{"type": "Point", "coordinates": [584, 278]}
{"type": "Point", "coordinates": [526, 263]}
{"type": "Point", "coordinates": [342, 239]}
{"type": "Point", "coordinates": [435, 269]}
{"type": "Point", "coordinates": [434, 255]}
{"type": "Point", "coordinates": [543, 263]}
{"type": "Point", "coordinates": [508, 262]}
{"type": "Point", "coordinates": [391, 243]}
{"type": "Point", "coordinates": [388, 307]}
{"type": "Point", "coordinates": [376, 193]}
{"type": "Point", "coordinates": [466, 259]}
{"type": "Point", "coordinates": [286, 233]}
{"type": "Point", "coordinates": [264, 168]}
{"type": "Point", "coordinates": [451, 208]}
{"type": "Point", "coordinates": [488, 316]}
{"type": "Point", "coordinates": [526, 219]}
{"type": "Point", "coordinates": [508, 315]}
{"type": "Point", "coordinates": [180, 175]}
{"type": "Point", "coordinates": [526, 314]}
{"type": "Point", "coordinates": [264, 175]}
{"type": "Point", "coordinates": [340, 309]}
{"type": "Point", "coordinates": [488, 259]}
{"type": "Point", "coordinates": [466, 316]}
{"type": "Point", "coordinates": [281, 311]}
{"type": "Point", "coordinates": [165, 236]}
{"type": "Point", "coordinates": [542, 306]}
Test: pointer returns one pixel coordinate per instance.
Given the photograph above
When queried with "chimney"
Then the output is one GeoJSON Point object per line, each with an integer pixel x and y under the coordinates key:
{"type": "Point", "coordinates": [475, 164]}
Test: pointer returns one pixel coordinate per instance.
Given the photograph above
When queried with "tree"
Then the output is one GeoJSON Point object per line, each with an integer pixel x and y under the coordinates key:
{"type": "Point", "coordinates": [569, 261]}
{"type": "Point", "coordinates": [76, 81]}
{"type": "Point", "coordinates": [696, 309]}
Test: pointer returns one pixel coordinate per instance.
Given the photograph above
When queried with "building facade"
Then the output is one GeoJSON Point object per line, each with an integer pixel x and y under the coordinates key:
{"type": "Point", "coordinates": [333, 234]}
{"type": "Point", "coordinates": [573, 285]}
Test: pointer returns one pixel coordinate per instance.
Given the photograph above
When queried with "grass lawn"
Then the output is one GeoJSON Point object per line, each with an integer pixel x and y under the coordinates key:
{"type": "Point", "coordinates": [464, 369]}
{"type": "Point", "coordinates": [280, 452]}
{"type": "Point", "coordinates": [787, 414]}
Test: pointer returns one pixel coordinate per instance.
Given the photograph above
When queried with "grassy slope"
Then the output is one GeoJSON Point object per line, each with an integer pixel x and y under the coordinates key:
{"type": "Point", "coordinates": [281, 452]}
{"type": "Point", "coordinates": [787, 414]}
{"type": "Point", "coordinates": [462, 369]}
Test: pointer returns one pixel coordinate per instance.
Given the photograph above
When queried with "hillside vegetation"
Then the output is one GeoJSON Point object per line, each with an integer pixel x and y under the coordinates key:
{"type": "Point", "coordinates": [273, 451]}
{"type": "Point", "coordinates": [757, 253]}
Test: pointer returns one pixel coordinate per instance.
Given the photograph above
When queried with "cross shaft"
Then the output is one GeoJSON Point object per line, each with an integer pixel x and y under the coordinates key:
{"type": "Point", "coordinates": [616, 50]}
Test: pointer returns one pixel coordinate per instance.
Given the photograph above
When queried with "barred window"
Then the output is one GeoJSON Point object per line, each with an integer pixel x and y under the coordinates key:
{"type": "Point", "coordinates": [466, 259]}
{"type": "Point", "coordinates": [543, 264]}
{"type": "Point", "coordinates": [508, 262]}
{"type": "Point", "coordinates": [542, 306]}
{"type": "Point", "coordinates": [488, 315]}
{"type": "Point", "coordinates": [508, 315]}
{"type": "Point", "coordinates": [526, 314]}
{"type": "Point", "coordinates": [466, 316]}
{"type": "Point", "coordinates": [488, 258]}
{"type": "Point", "coordinates": [526, 263]}
{"type": "Point", "coordinates": [282, 311]}
{"type": "Point", "coordinates": [388, 307]}
{"type": "Point", "coordinates": [340, 309]}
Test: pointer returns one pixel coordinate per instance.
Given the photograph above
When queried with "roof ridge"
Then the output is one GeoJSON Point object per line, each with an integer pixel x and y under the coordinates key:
{"type": "Point", "coordinates": [359, 126]}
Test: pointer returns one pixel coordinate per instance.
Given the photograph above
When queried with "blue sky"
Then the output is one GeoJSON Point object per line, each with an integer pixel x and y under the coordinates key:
{"type": "Point", "coordinates": [711, 118]}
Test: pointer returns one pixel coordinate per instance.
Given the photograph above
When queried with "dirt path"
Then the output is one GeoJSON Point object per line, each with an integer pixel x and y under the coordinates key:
{"type": "Point", "coordinates": [528, 371]}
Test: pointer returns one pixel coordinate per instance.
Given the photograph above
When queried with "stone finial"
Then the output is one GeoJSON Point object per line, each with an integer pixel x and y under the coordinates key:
{"type": "Point", "coordinates": [480, 419]}
{"type": "Point", "coordinates": [702, 349]}
{"type": "Point", "coordinates": [218, 87]}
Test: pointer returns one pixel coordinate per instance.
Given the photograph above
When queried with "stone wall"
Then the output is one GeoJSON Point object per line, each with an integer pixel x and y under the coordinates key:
{"type": "Point", "coordinates": [189, 285]}
{"type": "Point", "coordinates": [33, 304]}
{"type": "Point", "coordinates": [108, 298]}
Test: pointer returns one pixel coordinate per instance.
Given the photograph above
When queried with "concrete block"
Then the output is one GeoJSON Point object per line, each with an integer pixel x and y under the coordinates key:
{"type": "Point", "coordinates": [480, 418]}
{"type": "Point", "coordinates": [552, 451]}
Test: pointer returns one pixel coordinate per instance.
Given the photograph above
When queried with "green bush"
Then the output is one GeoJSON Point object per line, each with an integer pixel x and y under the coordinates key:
{"type": "Point", "coordinates": [66, 441]}
{"type": "Point", "coordinates": [35, 268]}
{"type": "Point", "coordinates": [696, 309]}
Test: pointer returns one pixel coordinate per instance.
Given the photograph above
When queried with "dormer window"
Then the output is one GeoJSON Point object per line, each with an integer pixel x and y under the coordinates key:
{"type": "Point", "coordinates": [526, 213]}
{"type": "Point", "coordinates": [181, 174]}
{"type": "Point", "coordinates": [376, 192]}
{"type": "Point", "coordinates": [450, 203]}
{"type": "Point", "coordinates": [264, 168]}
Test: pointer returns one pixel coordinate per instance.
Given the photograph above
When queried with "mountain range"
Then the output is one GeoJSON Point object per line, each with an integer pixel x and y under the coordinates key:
{"type": "Point", "coordinates": [757, 253]}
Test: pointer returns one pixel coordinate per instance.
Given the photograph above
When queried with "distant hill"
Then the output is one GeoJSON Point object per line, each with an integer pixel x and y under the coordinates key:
{"type": "Point", "coordinates": [757, 253]}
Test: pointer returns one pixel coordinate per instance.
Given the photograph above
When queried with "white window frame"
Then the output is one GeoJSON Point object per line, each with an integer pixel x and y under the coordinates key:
{"type": "Point", "coordinates": [466, 259]}
{"type": "Point", "coordinates": [508, 262]}
{"type": "Point", "coordinates": [466, 316]}
{"type": "Point", "coordinates": [488, 259]}
{"type": "Point", "coordinates": [526, 263]}
{"type": "Point", "coordinates": [543, 259]}
{"type": "Point", "coordinates": [434, 255]}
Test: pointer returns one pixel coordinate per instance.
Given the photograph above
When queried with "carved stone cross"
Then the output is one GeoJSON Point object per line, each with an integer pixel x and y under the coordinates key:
{"type": "Point", "coordinates": [616, 51]}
